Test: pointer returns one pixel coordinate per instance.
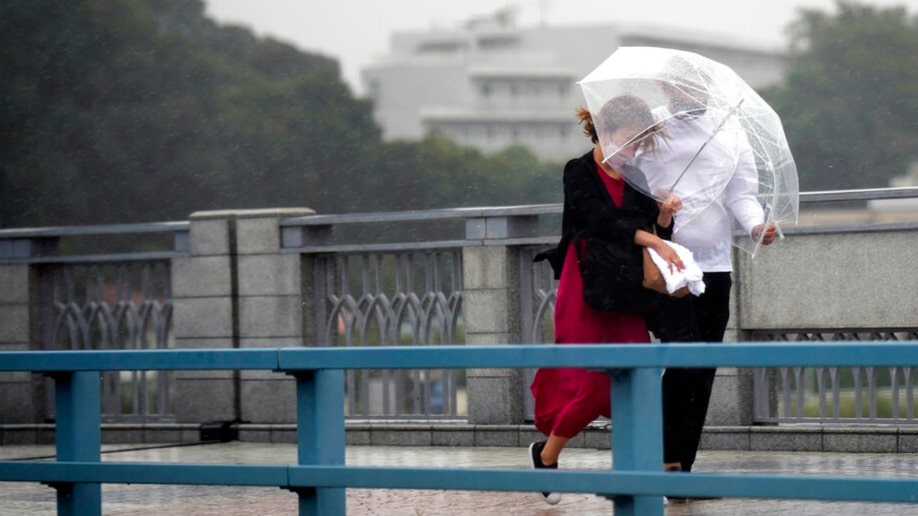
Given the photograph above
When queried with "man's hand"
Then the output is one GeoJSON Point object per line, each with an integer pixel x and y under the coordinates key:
{"type": "Point", "coordinates": [769, 233]}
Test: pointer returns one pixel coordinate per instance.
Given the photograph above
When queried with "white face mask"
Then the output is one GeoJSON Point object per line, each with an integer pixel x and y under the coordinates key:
{"type": "Point", "coordinates": [617, 160]}
{"type": "Point", "coordinates": [623, 154]}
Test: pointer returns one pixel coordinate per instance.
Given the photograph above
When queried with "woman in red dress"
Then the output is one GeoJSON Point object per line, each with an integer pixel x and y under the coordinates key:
{"type": "Point", "coordinates": [568, 399]}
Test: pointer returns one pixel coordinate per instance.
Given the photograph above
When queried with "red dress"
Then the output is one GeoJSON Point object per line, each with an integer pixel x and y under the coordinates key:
{"type": "Point", "coordinates": [568, 399]}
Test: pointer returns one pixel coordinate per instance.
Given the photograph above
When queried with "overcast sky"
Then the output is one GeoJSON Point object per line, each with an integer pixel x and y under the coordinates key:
{"type": "Point", "coordinates": [356, 31]}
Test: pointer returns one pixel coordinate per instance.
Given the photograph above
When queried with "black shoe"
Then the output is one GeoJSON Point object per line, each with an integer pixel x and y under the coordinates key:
{"type": "Point", "coordinates": [687, 499]}
{"type": "Point", "coordinates": [535, 458]}
{"type": "Point", "coordinates": [674, 499]}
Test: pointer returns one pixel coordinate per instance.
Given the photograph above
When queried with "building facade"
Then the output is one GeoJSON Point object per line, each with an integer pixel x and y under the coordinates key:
{"type": "Point", "coordinates": [491, 85]}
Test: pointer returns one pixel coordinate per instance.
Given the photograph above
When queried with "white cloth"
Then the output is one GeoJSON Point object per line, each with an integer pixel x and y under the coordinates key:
{"type": "Point", "coordinates": [690, 276]}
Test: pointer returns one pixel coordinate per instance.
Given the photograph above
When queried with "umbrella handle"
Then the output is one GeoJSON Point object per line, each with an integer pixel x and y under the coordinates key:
{"type": "Point", "coordinates": [768, 208]}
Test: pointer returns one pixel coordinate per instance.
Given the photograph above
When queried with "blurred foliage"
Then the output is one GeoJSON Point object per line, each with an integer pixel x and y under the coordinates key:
{"type": "Point", "coordinates": [850, 102]}
{"type": "Point", "coordinates": [115, 111]}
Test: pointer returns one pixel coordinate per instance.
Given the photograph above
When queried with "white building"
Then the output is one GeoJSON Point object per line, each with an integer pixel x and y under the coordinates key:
{"type": "Point", "coordinates": [490, 84]}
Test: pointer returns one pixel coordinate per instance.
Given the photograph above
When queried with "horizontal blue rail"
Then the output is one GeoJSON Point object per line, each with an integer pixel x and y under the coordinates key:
{"type": "Point", "coordinates": [770, 354]}
{"type": "Point", "coordinates": [609, 483]}
{"type": "Point", "coordinates": [635, 484]}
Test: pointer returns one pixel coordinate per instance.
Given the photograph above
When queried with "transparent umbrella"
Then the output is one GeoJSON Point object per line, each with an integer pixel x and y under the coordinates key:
{"type": "Point", "coordinates": [717, 144]}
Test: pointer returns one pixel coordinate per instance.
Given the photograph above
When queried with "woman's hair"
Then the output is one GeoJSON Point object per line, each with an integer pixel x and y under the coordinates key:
{"type": "Point", "coordinates": [586, 120]}
{"type": "Point", "coordinates": [623, 111]}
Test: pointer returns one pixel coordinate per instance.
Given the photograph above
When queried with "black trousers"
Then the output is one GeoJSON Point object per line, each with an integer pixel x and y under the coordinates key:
{"type": "Point", "coordinates": [687, 392]}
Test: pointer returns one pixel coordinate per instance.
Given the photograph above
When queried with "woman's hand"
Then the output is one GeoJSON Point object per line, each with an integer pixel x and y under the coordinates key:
{"type": "Point", "coordinates": [670, 255]}
{"type": "Point", "coordinates": [668, 208]}
{"type": "Point", "coordinates": [643, 238]}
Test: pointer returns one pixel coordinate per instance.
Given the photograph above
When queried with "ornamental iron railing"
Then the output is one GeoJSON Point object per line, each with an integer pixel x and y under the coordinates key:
{"type": "Point", "coordinates": [113, 306]}
{"type": "Point", "coordinates": [873, 395]}
{"type": "Point", "coordinates": [406, 298]}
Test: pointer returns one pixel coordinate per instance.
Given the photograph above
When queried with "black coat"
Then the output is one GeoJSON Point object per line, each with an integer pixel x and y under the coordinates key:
{"type": "Point", "coordinates": [590, 213]}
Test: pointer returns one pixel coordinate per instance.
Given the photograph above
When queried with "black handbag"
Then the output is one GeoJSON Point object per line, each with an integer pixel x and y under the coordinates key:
{"type": "Point", "coordinates": [613, 277]}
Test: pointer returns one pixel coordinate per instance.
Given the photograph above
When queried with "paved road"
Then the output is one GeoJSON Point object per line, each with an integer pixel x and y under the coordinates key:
{"type": "Point", "coordinates": [136, 500]}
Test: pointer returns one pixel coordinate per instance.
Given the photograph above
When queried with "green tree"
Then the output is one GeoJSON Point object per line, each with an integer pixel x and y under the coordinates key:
{"type": "Point", "coordinates": [124, 111]}
{"type": "Point", "coordinates": [850, 101]}
{"type": "Point", "coordinates": [116, 111]}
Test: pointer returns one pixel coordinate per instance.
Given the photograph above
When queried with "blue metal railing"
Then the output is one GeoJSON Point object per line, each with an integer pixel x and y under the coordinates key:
{"type": "Point", "coordinates": [635, 485]}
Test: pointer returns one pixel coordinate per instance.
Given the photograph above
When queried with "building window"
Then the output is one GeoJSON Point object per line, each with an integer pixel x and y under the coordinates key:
{"type": "Point", "coordinates": [492, 43]}
{"type": "Point", "coordinates": [441, 47]}
{"type": "Point", "coordinates": [373, 90]}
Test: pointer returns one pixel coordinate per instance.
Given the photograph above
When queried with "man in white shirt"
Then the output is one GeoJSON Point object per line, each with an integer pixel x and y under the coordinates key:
{"type": "Point", "coordinates": [722, 177]}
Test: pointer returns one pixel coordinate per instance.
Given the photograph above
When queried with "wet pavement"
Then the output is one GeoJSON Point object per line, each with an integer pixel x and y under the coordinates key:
{"type": "Point", "coordinates": [123, 500]}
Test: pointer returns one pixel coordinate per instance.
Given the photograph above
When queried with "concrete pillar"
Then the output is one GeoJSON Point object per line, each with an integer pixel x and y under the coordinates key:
{"type": "Point", "coordinates": [20, 393]}
{"type": "Point", "coordinates": [732, 399]}
{"type": "Point", "coordinates": [272, 311]}
{"type": "Point", "coordinates": [204, 316]}
{"type": "Point", "coordinates": [235, 290]}
{"type": "Point", "coordinates": [491, 306]}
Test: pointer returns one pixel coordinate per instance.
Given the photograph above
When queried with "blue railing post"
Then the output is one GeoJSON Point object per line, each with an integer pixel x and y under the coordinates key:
{"type": "Point", "coordinates": [78, 437]}
{"type": "Point", "coordinates": [320, 435]}
{"type": "Point", "coordinates": [637, 436]}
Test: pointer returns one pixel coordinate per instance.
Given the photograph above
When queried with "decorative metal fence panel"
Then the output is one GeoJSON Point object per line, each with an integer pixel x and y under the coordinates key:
{"type": "Point", "coordinates": [113, 306]}
{"type": "Point", "coordinates": [537, 304]}
{"type": "Point", "coordinates": [539, 298]}
{"type": "Point", "coordinates": [396, 299]}
{"type": "Point", "coordinates": [874, 395]}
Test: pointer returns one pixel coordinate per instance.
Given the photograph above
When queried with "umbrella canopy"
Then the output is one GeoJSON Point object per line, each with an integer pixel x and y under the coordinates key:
{"type": "Point", "coordinates": [717, 144]}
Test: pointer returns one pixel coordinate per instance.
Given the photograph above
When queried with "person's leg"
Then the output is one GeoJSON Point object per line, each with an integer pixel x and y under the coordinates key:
{"type": "Point", "coordinates": [674, 322]}
{"type": "Point", "coordinates": [551, 451]}
{"type": "Point", "coordinates": [675, 412]}
{"type": "Point", "coordinates": [698, 385]}
{"type": "Point", "coordinates": [535, 458]}
{"type": "Point", "coordinates": [591, 400]}
{"type": "Point", "coordinates": [594, 389]}
{"type": "Point", "coordinates": [712, 311]}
